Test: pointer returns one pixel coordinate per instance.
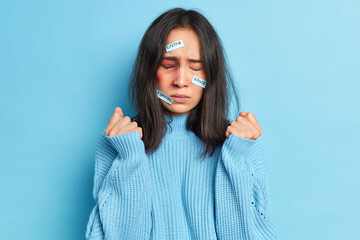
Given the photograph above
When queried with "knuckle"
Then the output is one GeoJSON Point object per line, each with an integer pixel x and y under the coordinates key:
{"type": "Point", "coordinates": [258, 133]}
{"type": "Point", "coordinates": [110, 133]}
{"type": "Point", "coordinates": [138, 130]}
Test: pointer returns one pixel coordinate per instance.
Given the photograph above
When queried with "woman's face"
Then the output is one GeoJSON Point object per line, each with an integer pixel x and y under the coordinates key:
{"type": "Point", "coordinates": [177, 69]}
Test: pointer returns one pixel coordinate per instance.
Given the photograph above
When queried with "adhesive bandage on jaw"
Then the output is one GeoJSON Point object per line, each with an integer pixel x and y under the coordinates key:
{"type": "Point", "coordinates": [199, 81]}
{"type": "Point", "coordinates": [174, 45]}
{"type": "Point", "coordinates": [164, 97]}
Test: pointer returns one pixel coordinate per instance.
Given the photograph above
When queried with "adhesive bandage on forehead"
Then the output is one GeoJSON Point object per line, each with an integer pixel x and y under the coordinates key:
{"type": "Point", "coordinates": [174, 45]}
{"type": "Point", "coordinates": [199, 81]}
{"type": "Point", "coordinates": [164, 97]}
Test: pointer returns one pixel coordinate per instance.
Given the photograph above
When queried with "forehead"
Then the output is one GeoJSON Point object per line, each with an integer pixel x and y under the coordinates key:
{"type": "Point", "coordinates": [191, 42]}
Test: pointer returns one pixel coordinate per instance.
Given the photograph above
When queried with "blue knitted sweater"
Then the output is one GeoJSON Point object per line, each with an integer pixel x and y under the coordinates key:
{"type": "Point", "coordinates": [173, 194]}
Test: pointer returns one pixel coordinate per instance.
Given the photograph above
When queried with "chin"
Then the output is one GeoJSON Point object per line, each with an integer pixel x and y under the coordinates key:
{"type": "Point", "coordinates": [179, 111]}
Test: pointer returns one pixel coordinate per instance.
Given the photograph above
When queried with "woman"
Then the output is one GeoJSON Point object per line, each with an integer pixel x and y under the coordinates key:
{"type": "Point", "coordinates": [150, 181]}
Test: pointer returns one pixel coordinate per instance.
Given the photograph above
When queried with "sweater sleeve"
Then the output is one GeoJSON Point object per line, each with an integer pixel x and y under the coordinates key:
{"type": "Point", "coordinates": [122, 189]}
{"type": "Point", "coordinates": [242, 202]}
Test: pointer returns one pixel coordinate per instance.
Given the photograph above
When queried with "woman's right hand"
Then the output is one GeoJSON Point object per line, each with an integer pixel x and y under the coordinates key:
{"type": "Point", "coordinates": [119, 124]}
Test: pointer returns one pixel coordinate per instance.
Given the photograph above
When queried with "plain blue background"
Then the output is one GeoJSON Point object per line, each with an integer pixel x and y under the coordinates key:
{"type": "Point", "coordinates": [64, 67]}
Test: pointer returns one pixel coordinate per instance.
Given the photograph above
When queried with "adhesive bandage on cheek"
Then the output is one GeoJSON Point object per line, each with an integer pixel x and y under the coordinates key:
{"type": "Point", "coordinates": [174, 45]}
{"type": "Point", "coordinates": [164, 97]}
{"type": "Point", "coordinates": [199, 81]}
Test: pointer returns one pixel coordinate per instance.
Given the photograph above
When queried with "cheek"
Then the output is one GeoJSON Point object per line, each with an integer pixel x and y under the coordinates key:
{"type": "Point", "coordinates": [163, 78]}
{"type": "Point", "coordinates": [200, 93]}
{"type": "Point", "coordinates": [159, 78]}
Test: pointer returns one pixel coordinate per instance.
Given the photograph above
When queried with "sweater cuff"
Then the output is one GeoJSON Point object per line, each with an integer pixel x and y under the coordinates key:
{"type": "Point", "coordinates": [237, 149]}
{"type": "Point", "coordinates": [128, 145]}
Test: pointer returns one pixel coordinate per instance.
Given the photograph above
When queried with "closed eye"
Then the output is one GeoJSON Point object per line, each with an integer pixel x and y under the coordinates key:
{"type": "Point", "coordinates": [196, 69]}
{"type": "Point", "coordinates": [167, 67]}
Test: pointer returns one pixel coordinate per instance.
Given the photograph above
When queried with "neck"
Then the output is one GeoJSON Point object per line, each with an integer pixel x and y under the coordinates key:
{"type": "Point", "coordinates": [177, 125]}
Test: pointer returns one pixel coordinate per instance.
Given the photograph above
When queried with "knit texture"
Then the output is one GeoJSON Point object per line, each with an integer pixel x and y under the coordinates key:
{"type": "Point", "coordinates": [173, 194]}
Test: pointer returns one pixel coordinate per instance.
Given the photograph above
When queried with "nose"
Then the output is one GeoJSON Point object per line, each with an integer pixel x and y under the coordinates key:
{"type": "Point", "coordinates": [181, 80]}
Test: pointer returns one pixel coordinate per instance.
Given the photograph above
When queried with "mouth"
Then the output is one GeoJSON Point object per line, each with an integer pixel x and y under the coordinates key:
{"type": "Point", "coordinates": [180, 98]}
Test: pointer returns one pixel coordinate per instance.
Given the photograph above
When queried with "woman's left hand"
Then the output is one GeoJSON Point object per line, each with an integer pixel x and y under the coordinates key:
{"type": "Point", "coordinates": [246, 126]}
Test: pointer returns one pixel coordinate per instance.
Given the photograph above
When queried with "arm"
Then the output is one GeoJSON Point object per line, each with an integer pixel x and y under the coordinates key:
{"type": "Point", "coordinates": [122, 189]}
{"type": "Point", "coordinates": [242, 203]}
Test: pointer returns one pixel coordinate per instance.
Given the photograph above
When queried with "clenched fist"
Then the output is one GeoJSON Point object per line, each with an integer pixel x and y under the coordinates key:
{"type": "Point", "coordinates": [119, 124]}
{"type": "Point", "coordinates": [245, 126]}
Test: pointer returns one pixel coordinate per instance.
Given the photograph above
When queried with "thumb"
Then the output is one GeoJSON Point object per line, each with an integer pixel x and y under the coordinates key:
{"type": "Point", "coordinates": [119, 111]}
{"type": "Point", "coordinates": [243, 114]}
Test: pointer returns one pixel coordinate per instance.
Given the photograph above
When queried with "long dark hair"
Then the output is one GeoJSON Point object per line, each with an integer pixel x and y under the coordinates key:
{"type": "Point", "coordinates": [209, 119]}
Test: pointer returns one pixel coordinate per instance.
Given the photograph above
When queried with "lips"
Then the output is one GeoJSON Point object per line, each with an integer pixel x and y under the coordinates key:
{"type": "Point", "coordinates": [179, 96]}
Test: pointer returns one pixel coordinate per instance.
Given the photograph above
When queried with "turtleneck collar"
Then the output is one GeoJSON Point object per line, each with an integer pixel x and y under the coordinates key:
{"type": "Point", "coordinates": [178, 125]}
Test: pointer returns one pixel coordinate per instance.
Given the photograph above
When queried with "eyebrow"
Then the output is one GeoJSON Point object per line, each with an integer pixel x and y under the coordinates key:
{"type": "Point", "coordinates": [190, 60]}
{"type": "Point", "coordinates": [169, 58]}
